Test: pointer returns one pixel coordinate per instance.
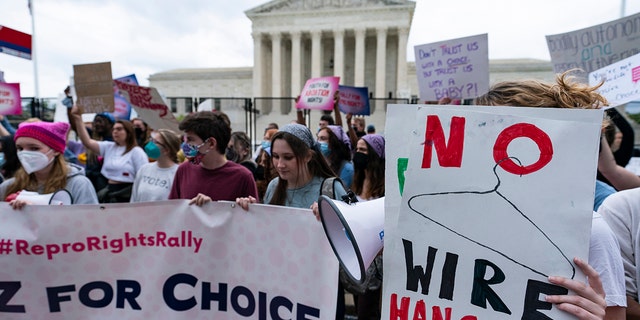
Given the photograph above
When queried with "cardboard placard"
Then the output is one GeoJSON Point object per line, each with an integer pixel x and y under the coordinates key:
{"type": "Point", "coordinates": [94, 87]}
{"type": "Point", "coordinates": [149, 106]}
{"type": "Point", "coordinates": [594, 47]}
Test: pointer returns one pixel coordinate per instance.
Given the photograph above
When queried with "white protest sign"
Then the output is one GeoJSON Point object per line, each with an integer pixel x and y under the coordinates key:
{"type": "Point", "coordinates": [620, 81]}
{"type": "Point", "coordinates": [457, 68]}
{"type": "Point", "coordinates": [149, 106]}
{"type": "Point", "coordinates": [482, 185]}
{"type": "Point", "coordinates": [595, 47]}
{"type": "Point", "coordinates": [165, 260]}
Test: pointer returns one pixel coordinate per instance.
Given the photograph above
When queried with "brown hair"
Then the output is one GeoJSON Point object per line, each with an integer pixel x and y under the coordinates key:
{"type": "Point", "coordinates": [130, 141]}
{"type": "Point", "coordinates": [317, 166]}
{"type": "Point", "coordinates": [375, 173]}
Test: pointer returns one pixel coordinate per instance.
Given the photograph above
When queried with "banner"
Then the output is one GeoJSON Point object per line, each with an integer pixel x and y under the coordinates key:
{"type": "Point", "coordinates": [15, 43]}
{"type": "Point", "coordinates": [595, 47]}
{"type": "Point", "coordinates": [165, 260]}
{"type": "Point", "coordinates": [457, 68]}
{"type": "Point", "coordinates": [620, 81]}
{"type": "Point", "coordinates": [472, 239]}
{"type": "Point", "coordinates": [94, 87]}
{"type": "Point", "coordinates": [318, 93]}
{"type": "Point", "coordinates": [149, 106]}
{"type": "Point", "coordinates": [10, 100]}
{"type": "Point", "coordinates": [354, 100]}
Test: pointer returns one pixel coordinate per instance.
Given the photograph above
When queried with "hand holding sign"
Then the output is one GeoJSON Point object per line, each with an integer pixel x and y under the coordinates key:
{"type": "Point", "coordinates": [318, 94]}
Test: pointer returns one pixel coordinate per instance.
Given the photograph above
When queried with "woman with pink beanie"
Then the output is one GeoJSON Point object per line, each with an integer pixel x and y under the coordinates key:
{"type": "Point", "coordinates": [40, 148]}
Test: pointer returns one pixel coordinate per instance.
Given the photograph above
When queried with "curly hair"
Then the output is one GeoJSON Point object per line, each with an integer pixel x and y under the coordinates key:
{"type": "Point", "coordinates": [565, 93]}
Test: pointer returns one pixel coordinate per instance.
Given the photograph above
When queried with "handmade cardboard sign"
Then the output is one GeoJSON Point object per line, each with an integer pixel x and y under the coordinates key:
{"type": "Point", "coordinates": [457, 68]}
{"type": "Point", "coordinates": [10, 100]}
{"type": "Point", "coordinates": [318, 93]}
{"type": "Point", "coordinates": [471, 240]}
{"type": "Point", "coordinates": [165, 260]}
{"type": "Point", "coordinates": [621, 81]}
{"type": "Point", "coordinates": [149, 106]}
{"type": "Point", "coordinates": [354, 100]}
{"type": "Point", "coordinates": [94, 87]}
{"type": "Point", "coordinates": [595, 47]}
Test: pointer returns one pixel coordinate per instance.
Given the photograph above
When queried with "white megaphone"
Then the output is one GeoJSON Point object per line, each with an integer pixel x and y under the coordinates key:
{"type": "Point", "coordinates": [60, 197]}
{"type": "Point", "coordinates": [355, 232]}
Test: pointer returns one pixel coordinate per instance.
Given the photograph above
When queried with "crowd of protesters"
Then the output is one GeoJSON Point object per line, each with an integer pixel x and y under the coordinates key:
{"type": "Point", "coordinates": [117, 160]}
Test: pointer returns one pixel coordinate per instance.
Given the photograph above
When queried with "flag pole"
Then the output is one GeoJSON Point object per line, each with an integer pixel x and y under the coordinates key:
{"type": "Point", "coordinates": [34, 56]}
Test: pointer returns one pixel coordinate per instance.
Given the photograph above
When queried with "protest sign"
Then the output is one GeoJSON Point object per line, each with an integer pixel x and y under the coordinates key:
{"type": "Point", "coordinates": [122, 108]}
{"type": "Point", "coordinates": [354, 100]}
{"type": "Point", "coordinates": [318, 93]}
{"type": "Point", "coordinates": [149, 106]}
{"type": "Point", "coordinates": [15, 43]}
{"type": "Point", "coordinates": [457, 68]}
{"type": "Point", "coordinates": [467, 211]}
{"type": "Point", "coordinates": [620, 81]}
{"type": "Point", "coordinates": [10, 100]}
{"type": "Point", "coordinates": [595, 47]}
{"type": "Point", "coordinates": [165, 260]}
{"type": "Point", "coordinates": [94, 87]}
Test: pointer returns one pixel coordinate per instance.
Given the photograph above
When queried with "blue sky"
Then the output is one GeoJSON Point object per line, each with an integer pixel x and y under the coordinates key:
{"type": "Point", "coordinates": [146, 37]}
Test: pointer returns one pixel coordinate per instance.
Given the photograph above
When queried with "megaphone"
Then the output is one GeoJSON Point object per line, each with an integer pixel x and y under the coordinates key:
{"type": "Point", "coordinates": [60, 197]}
{"type": "Point", "coordinates": [355, 232]}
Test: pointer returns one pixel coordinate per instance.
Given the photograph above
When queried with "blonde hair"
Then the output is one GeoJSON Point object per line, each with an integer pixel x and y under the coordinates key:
{"type": "Point", "coordinates": [57, 179]}
{"type": "Point", "coordinates": [565, 93]}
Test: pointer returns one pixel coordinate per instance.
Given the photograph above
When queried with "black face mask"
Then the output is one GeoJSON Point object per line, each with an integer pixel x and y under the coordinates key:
{"type": "Point", "coordinates": [360, 161]}
{"type": "Point", "coordinates": [139, 132]}
{"type": "Point", "coordinates": [232, 155]}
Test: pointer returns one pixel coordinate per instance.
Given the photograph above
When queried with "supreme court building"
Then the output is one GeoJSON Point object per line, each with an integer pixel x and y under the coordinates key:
{"type": "Point", "coordinates": [364, 42]}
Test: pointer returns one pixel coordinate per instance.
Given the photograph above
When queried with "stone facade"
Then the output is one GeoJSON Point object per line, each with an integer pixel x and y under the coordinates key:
{"type": "Point", "coordinates": [362, 41]}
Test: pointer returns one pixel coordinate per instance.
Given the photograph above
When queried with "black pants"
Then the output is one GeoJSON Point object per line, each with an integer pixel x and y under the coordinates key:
{"type": "Point", "coordinates": [115, 193]}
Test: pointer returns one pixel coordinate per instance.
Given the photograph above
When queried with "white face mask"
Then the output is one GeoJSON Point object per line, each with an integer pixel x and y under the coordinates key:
{"type": "Point", "coordinates": [33, 161]}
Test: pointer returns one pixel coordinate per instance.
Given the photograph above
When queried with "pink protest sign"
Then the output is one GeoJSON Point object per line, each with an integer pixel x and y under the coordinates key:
{"type": "Point", "coordinates": [635, 74]}
{"type": "Point", "coordinates": [10, 98]}
{"type": "Point", "coordinates": [318, 93]}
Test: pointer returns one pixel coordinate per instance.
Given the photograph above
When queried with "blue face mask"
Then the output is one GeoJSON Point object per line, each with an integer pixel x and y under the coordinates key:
{"type": "Point", "coordinates": [152, 150]}
{"type": "Point", "coordinates": [2, 159]}
{"type": "Point", "coordinates": [324, 148]}
{"type": "Point", "coordinates": [191, 151]}
{"type": "Point", "coordinates": [265, 144]}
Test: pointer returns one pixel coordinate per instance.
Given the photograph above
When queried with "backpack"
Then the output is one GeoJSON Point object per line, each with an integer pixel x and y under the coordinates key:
{"type": "Point", "coordinates": [373, 278]}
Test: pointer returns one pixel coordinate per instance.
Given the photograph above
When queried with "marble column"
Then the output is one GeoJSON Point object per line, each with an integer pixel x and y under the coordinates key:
{"type": "Point", "coordinates": [360, 55]}
{"type": "Point", "coordinates": [296, 72]}
{"type": "Point", "coordinates": [257, 64]}
{"type": "Point", "coordinates": [316, 53]}
{"type": "Point", "coordinates": [338, 54]}
{"type": "Point", "coordinates": [276, 64]}
{"type": "Point", "coordinates": [402, 87]}
{"type": "Point", "coordinates": [381, 62]}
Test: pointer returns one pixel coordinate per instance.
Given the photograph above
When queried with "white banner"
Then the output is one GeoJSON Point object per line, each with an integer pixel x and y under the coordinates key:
{"type": "Point", "coordinates": [494, 200]}
{"type": "Point", "coordinates": [165, 260]}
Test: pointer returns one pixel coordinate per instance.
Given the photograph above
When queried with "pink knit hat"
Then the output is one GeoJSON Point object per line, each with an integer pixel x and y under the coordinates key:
{"type": "Point", "coordinates": [52, 134]}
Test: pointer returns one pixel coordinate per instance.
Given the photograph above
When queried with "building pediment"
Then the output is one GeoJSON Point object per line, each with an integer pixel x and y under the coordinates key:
{"type": "Point", "coordinates": [280, 6]}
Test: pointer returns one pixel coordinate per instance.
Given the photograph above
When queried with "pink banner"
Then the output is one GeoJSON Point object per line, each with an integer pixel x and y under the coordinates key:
{"type": "Point", "coordinates": [318, 93]}
{"type": "Point", "coordinates": [10, 102]}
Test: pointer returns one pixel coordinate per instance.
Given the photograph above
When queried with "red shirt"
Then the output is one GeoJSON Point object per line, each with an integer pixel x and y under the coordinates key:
{"type": "Point", "coordinates": [228, 182]}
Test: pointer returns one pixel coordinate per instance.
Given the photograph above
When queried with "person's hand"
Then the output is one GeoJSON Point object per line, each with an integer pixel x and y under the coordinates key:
{"type": "Point", "coordinates": [589, 303]}
{"type": "Point", "coordinates": [75, 112]}
{"type": "Point", "coordinates": [336, 100]}
{"type": "Point", "coordinates": [245, 201]}
{"type": "Point", "coordinates": [18, 204]}
{"type": "Point", "coordinates": [200, 199]}
{"type": "Point", "coordinates": [315, 210]}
